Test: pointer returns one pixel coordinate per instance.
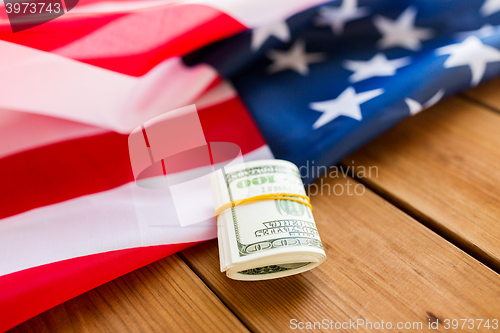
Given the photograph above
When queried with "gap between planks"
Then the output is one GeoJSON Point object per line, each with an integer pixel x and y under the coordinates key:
{"type": "Point", "coordinates": [485, 95]}
{"type": "Point", "coordinates": [433, 225]}
{"type": "Point", "coordinates": [439, 167]}
{"type": "Point", "coordinates": [381, 265]}
{"type": "Point", "coordinates": [207, 270]}
{"type": "Point", "coordinates": [163, 296]}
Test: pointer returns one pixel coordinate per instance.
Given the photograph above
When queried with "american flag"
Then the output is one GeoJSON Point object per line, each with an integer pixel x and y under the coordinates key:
{"type": "Point", "coordinates": [301, 80]}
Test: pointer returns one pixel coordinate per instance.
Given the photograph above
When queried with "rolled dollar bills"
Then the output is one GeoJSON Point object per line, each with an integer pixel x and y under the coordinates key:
{"type": "Point", "coordinates": [265, 224]}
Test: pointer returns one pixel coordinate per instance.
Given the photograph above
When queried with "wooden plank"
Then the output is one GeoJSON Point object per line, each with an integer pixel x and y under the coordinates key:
{"type": "Point", "coordinates": [163, 296]}
{"type": "Point", "coordinates": [381, 265]}
{"type": "Point", "coordinates": [487, 94]}
{"type": "Point", "coordinates": [442, 166]}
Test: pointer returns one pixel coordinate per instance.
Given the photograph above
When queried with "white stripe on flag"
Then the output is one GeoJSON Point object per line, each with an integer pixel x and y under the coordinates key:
{"type": "Point", "coordinates": [257, 13]}
{"type": "Point", "coordinates": [56, 86]}
{"type": "Point", "coordinates": [20, 131]}
{"type": "Point", "coordinates": [122, 218]}
{"type": "Point", "coordinates": [254, 13]}
{"type": "Point", "coordinates": [221, 93]}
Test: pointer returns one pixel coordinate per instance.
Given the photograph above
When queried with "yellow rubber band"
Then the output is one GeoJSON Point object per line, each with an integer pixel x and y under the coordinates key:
{"type": "Point", "coordinates": [270, 196]}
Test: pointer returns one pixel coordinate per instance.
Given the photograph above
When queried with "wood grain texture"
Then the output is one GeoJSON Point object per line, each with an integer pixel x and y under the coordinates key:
{"type": "Point", "coordinates": [381, 265]}
{"type": "Point", "coordinates": [165, 296]}
{"type": "Point", "coordinates": [487, 93]}
{"type": "Point", "coordinates": [442, 166]}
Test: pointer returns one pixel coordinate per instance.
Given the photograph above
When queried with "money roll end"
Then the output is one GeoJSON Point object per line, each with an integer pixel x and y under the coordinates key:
{"type": "Point", "coordinates": [266, 229]}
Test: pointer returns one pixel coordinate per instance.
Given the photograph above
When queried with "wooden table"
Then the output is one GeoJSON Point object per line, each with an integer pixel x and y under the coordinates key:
{"type": "Point", "coordinates": [421, 244]}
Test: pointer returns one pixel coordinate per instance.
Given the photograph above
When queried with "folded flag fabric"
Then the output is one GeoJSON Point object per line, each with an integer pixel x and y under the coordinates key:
{"type": "Point", "coordinates": [314, 80]}
{"type": "Point", "coordinates": [324, 81]}
{"type": "Point", "coordinates": [71, 90]}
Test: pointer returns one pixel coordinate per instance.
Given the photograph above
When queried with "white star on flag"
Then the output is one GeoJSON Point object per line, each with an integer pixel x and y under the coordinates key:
{"type": "Point", "coordinates": [489, 7]}
{"type": "Point", "coordinates": [346, 104]}
{"type": "Point", "coordinates": [376, 66]}
{"type": "Point", "coordinates": [415, 107]}
{"type": "Point", "coordinates": [402, 31]}
{"type": "Point", "coordinates": [295, 59]}
{"type": "Point", "coordinates": [471, 52]}
{"type": "Point", "coordinates": [485, 31]}
{"type": "Point", "coordinates": [337, 17]}
{"type": "Point", "coordinates": [279, 30]}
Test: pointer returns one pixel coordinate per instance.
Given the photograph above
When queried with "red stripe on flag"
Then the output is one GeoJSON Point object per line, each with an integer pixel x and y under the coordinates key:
{"type": "Point", "coordinates": [32, 291]}
{"type": "Point", "coordinates": [230, 121]}
{"type": "Point", "coordinates": [182, 29]}
{"type": "Point", "coordinates": [145, 136]}
{"type": "Point", "coordinates": [63, 171]}
{"type": "Point", "coordinates": [215, 26]}
{"type": "Point", "coordinates": [70, 169]}
{"type": "Point", "coordinates": [57, 33]}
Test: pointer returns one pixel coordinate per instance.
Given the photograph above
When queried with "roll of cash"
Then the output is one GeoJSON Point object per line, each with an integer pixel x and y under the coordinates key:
{"type": "Point", "coordinates": [265, 224]}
